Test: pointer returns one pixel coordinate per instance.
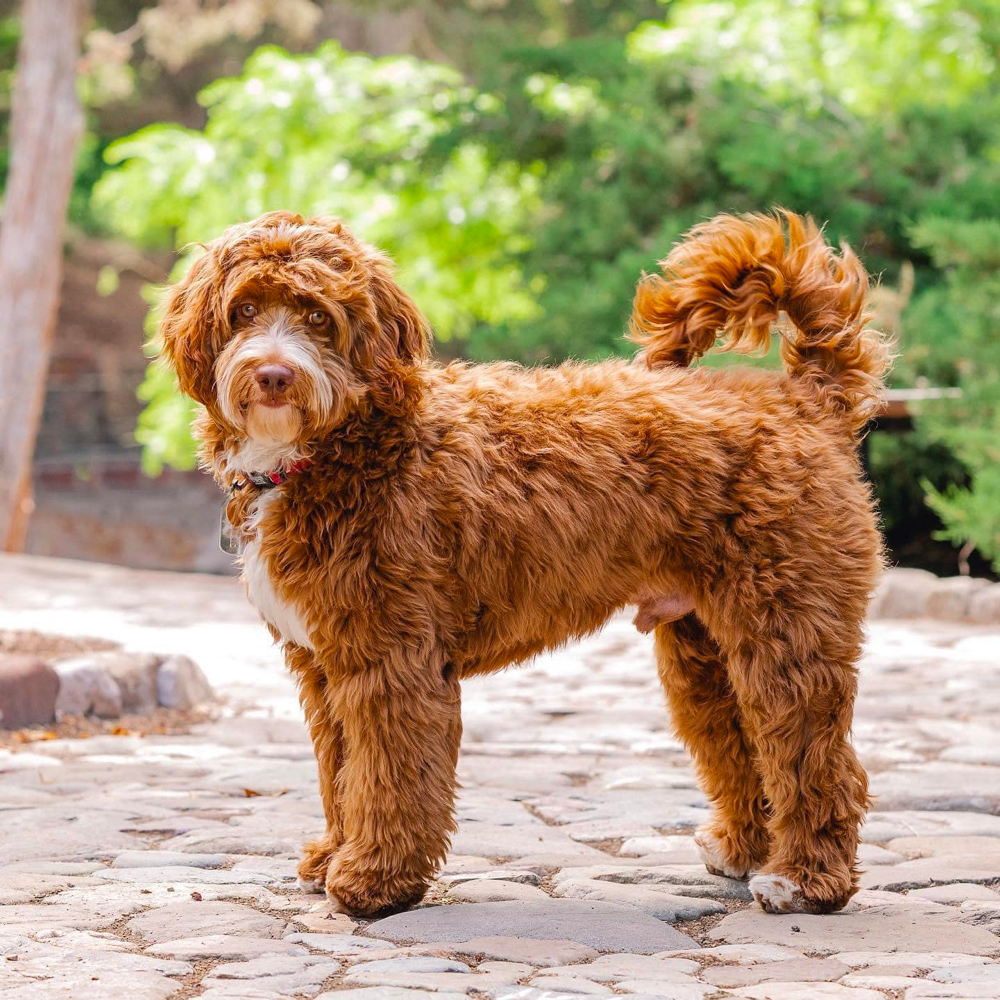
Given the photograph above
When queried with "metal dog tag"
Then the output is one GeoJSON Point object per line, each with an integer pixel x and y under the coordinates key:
{"type": "Point", "coordinates": [227, 539]}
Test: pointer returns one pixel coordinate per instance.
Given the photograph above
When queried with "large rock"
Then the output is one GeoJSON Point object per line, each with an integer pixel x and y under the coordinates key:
{"type": "Point", "coordinates": [903, 593]}
{"type": "Point", "coordinates": [951, 598]}
{"type": "Point", "coordinates": [136, 676]}
{"type": "Point", "coordinates": [878, 928]}
{"type": "Point", "coordinates": [28, 691]}
{"type": "Point", "coordinates": [180, 684]}
{"type": "Point", "coordinates": [984, 605]}
{"type": "Point", "coordinates": [87, 689]}
{"type": "Point", "coordinates": [605, 926]}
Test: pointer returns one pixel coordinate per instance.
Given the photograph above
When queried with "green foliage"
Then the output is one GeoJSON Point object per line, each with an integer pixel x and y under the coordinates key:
{"type": "Point", "coordinates": [964, 314]}
{"type": "Point", "coordinates": [346, 135]}
{"type": "Point", "coordinates": [10, 36]}
{"type": "Point", "coordinates": [854, 56]}
{"type": "Point", "coordinates": [522, 209]}
{"type": "Point", "coordinates": [338, 134]}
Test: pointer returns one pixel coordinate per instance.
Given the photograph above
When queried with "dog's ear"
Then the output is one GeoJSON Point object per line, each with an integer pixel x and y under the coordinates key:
{"type": "Point", "coordinates": [399, 342]}
{"type": "Point", "coordinates": [405, 331]}
{"type": "Point", "coordinates": [193, 327]}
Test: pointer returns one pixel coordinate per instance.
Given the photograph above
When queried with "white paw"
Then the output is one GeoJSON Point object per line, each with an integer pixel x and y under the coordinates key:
{"type": "Point", "coordinates": [776, 894]}
{"type": "Point", "coordinates": [713, 858]}
{"type": "Point", "coordinates": [312, 885]}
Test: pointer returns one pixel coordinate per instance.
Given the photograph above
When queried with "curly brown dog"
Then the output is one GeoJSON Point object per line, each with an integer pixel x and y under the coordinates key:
{"type": "Point", "coordinates": [406, 524]}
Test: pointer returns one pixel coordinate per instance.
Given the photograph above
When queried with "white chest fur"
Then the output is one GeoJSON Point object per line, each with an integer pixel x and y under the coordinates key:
{"type": "Point", "coordinates": [260, 588]}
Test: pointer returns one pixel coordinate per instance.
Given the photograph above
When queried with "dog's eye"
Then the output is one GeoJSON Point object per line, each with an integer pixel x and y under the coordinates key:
{"type": "Point", "coordinates": [317, 317]}
{"type": "Point", "coordinates": [246, 311]}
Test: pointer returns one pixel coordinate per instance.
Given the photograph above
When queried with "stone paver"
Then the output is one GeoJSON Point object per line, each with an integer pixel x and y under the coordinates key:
{"type": "Point", "coordinates": [164, 866]}
{"type": "Point", "coordinates": [604, 926]}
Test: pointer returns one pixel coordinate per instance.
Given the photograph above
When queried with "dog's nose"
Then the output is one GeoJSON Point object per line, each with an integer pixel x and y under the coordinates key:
{"type": "Point", "coordinates": [274, 379]}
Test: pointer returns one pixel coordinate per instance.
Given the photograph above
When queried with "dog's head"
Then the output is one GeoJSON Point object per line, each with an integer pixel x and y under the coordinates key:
{"type": "Point", "coordinates": [283, 327]}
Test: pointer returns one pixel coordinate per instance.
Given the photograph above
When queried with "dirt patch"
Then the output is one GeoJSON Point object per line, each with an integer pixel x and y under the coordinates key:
{"type": "Point", "coordinates": [699, 928]}
{"type": "Point", "coordinates": [162, 722]}
{"type": "Point", "coordinates": [47, 646]}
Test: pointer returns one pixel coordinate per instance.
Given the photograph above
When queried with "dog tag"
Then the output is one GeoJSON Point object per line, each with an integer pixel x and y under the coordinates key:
{"type": "Point", "coordinates": [227, 539]}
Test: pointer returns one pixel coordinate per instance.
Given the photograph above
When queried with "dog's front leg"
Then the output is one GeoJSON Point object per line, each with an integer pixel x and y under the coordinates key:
{"type": "Point", "coordinates": [328, 746]}
{"type": "Point", "coordinates": [401, 726]}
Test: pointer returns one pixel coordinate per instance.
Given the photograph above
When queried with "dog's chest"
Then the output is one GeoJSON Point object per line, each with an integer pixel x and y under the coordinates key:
{"type": "Point", "coordinates": [258, 579]}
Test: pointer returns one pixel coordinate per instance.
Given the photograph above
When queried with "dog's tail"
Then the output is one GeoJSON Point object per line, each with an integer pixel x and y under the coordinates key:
{"type": "Point", "coordinates": [729, 280]}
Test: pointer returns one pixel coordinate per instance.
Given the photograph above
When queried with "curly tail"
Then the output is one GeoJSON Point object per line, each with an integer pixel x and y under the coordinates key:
{"type": "Point", "coordinates": [729, 280]}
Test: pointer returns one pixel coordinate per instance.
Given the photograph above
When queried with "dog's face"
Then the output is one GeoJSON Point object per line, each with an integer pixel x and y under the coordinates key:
{"type": "Point", "coordinates": [284, 327]}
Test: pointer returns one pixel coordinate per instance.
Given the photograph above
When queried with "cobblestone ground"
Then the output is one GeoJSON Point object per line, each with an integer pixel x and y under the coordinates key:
{"type": "Point", "coordinates": [160, 867]}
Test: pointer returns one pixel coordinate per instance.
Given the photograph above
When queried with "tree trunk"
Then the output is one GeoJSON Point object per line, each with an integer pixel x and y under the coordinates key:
{"type": "Point", "coordinates": [46, 125]}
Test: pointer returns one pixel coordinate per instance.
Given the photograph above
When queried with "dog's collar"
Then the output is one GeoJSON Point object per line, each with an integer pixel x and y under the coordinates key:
{"type": "Point", "coordinates": [268, 480]}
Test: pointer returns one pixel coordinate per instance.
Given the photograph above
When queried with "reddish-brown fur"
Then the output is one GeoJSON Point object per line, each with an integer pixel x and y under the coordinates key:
{"type": "Point", "coordinates": [459, 519]}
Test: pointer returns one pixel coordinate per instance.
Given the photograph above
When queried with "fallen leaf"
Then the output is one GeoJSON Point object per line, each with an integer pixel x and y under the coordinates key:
{"type": "Point", "coordinates": [250, 793]}
{"type": "Point", "coordinates": [196, 896]}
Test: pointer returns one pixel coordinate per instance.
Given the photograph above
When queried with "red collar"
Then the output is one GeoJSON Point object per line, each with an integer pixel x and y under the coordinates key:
{"type": "Point", "coordinates": [268, 480]}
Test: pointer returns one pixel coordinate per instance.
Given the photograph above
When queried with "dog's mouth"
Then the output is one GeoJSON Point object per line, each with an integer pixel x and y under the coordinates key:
{"type": "Point", "coordinates": [274, 419]}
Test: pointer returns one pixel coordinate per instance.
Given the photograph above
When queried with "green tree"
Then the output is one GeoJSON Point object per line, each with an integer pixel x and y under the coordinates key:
{"type": "Point", "coordinates": [341, 134]}
{"type": "Point", "coordinates": [964, 313]}
{"type": "Point", "coordinates": [522, 209]}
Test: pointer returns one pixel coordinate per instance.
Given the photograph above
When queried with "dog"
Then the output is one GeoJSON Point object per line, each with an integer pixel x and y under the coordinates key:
{"type": "Point", "coordinates": [406, 524]}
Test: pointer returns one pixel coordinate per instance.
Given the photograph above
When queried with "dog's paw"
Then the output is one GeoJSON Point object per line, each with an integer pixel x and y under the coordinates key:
{"type": "Point", "coordinates": [365, 892]}
{"type": "Point", "coordinates": [311, 884]}
{"type": "Point", "coordinates": [316, 858]}
{"type": "Point", "coordinates": [715, 860]}
{"type": "Point", "coordinates": [777, 894]}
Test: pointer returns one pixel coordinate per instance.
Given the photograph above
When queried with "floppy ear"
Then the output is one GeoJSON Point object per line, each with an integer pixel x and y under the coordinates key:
{"type": "Point", "coordinates": [400, 341]}
{"type": "Point", "coordinates": [192, 328]}
{"type": "Point", "coordinates": [406, 332]}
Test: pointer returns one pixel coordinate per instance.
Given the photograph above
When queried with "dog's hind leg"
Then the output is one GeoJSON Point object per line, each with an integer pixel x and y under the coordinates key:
{"type": "Point", "coordinates": [704, 710]}
{"type": "Point", "coordinates": [795, 689]}
{"type": "Point", "coordinates": [327, 740]}
{"type": "Point", "coordinates": [401, 728]}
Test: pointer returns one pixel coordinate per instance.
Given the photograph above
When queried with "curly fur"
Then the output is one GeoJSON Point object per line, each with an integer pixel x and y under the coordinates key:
{"type": "Point", "coordinates": [459, 519]}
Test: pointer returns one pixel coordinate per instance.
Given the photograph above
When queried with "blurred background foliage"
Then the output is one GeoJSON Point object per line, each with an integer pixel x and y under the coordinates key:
{"type": "Point", "coordinates": [525, 160]}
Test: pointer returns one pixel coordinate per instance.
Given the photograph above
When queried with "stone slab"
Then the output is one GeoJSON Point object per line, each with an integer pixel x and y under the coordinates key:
{"type": "Point", "coordinates": [878, 928]}
{"type": "Point", "coordinates": [604, 926]}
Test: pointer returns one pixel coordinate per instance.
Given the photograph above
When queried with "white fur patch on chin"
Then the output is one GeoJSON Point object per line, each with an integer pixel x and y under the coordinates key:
{"type": "Point", "coordinates": [280, 424]}
{"type": "Point", "coordinates": [776, 894]}
{"type": "Point", "coordinates": [713, 858]}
